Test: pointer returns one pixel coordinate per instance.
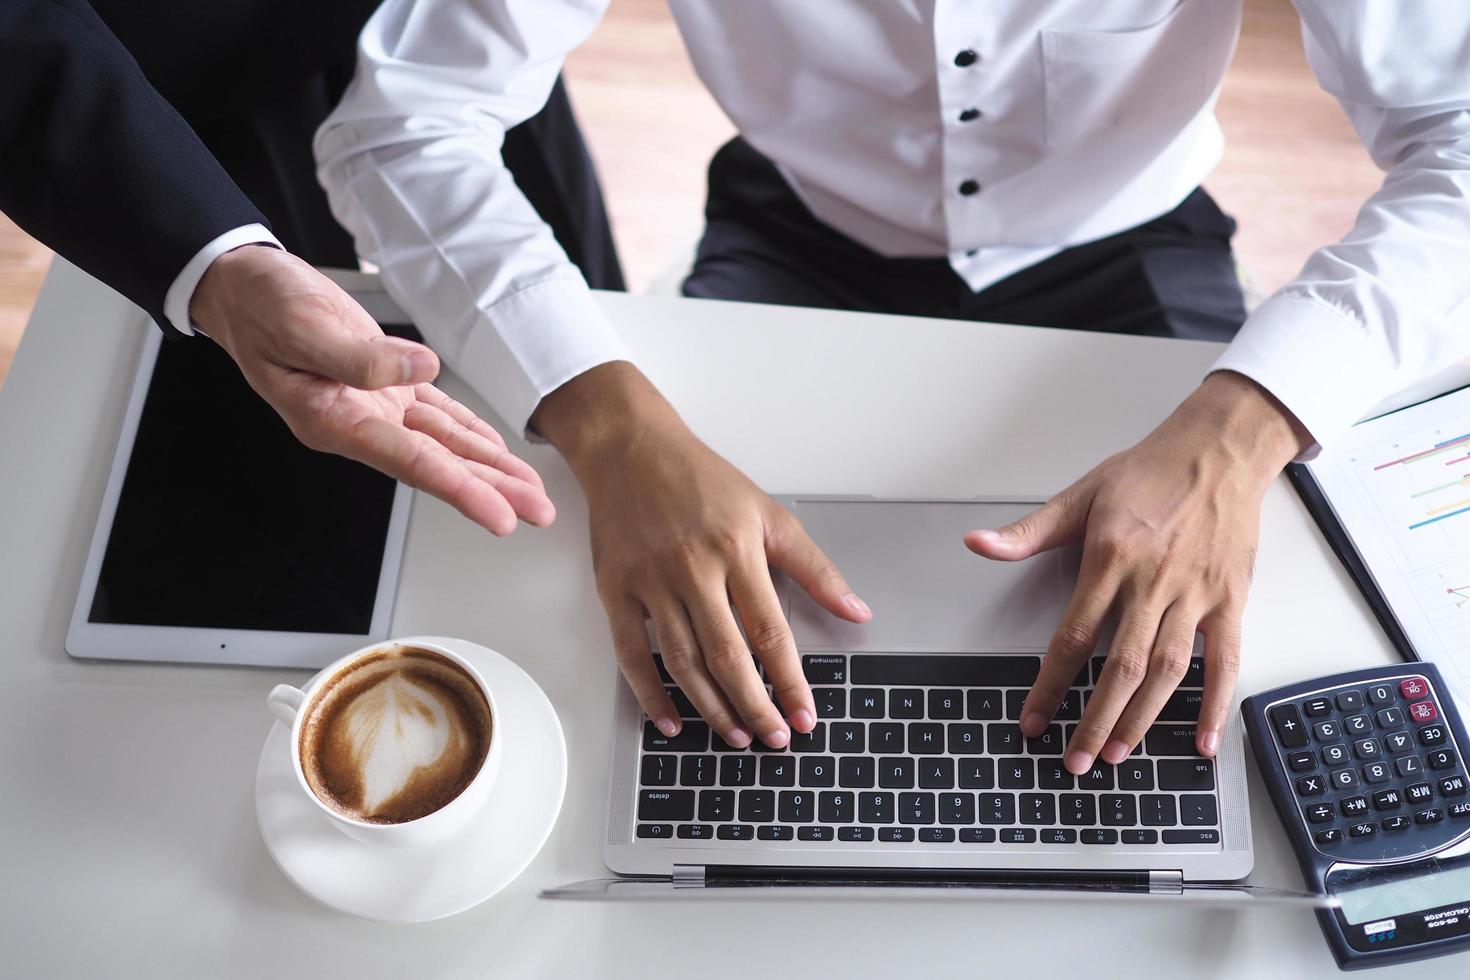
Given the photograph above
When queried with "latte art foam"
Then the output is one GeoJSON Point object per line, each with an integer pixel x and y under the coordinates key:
{"type": "Point", "coordinates": [395, 737]}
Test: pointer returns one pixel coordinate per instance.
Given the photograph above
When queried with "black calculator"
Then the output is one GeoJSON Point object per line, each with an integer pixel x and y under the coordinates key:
{"type": "Point", "coordinates": [1366, 770]}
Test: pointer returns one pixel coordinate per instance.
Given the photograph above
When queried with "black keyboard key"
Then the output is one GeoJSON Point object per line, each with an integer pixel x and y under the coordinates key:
{"type": "Point", "coordinates": [757, 806]}
{"type": "Point", "coordinates": [1431, 735]}
{"type": "Point", "coordinates": [1157, 810]}
{"type": "Point", "coordinates": [836, 807]}
{"type": "Point", "coordinates": [885, 736]}
{"type": "Point", "coordinates": [1350, 700]}
{"type": "Point", "coordinates": [718, 744]}
{"type": "Point", "coordinates": [936, 835]}
{"type": "Point", "coordinates": [896, 835]}
{"type": "Point", "coordinates": [926, 738]}
{"type": "Point", "coordinates": [946, 703]}
{"type": "Point", "coordinates": [1441, 759]}
{"type": "Point", "coordinates": [907, 702]}
{"type": "Point", "coordinates": [966, 739]}
{"type": "Point", "coordinates": [1078, 809]}
{"type": "Point", "coordinates": [1195, 775]}
{"type": "Point", "coordinates": [1316, 707]}
{"type": "Point", "coordinates": [737, 770]}
{"type": "Point", "coordinates": [796, 806]}
{"type": "Point", "coordinates": [1387, 799]}
{"type": "Point", "coordinates": [1018, 835]}
{"type": "Point", "coordinates": [1051, 774]}
{"type": "Point", "coordinates": [1343, 779]}
{"type": "Point", "coordinates": [1138, 774]}
{"type": "Point", "coordinates": [1327, 731]}
{"type": "Point", "coordinates": [1004, 739]}
{"type": "Point", "coordinates": [1140, 836]}
{"type": "Point", "coordinates": [1289, 729]}
{"type": "Point", "coordinates": [1366, 828]}
{"type": "Point", "coordinates": [778, 770]}
{"type": "Point", "coordinates": [1399, 822]}
{"type": "Point", "coordinates": [1377, 772]}
{"type": "Point", "coordinates": [1098, 663]}
{"type": "Point", "coordinates": [1332, 835]}
{"type": "Point", "coordinates": [663, 671]}
{"type": "Point", "coordinates": [1311, 786]}
{"type": "Point", "coordinates": [944, 670]}
{"type": "Point", "coordinates": [696, 831]}
{"type": "Point", "coordinates": [1381, 694]}
{"type": "Point", "coordinates": [997, 807]}
{"type": "Point", "coordinates": [735, 831]}
{"type": "Point", "coordinates": [1097, 835]}
{"type": "Point", "coordinates": [1357, 726]}
{"type": "Point", "coordinates": [1171, 740]}
{"type": "Point", "coordinates": [847, 736]}
{"type": "Point", "coordinates": [1014, 701]}
{"type": "Point", "coordinates": [1183, 705]}
{"type": "Point", "coordinates": [1058, 835]}
{"type": "Point", "coordinates": [985, 705]}
{"type": "Point", "coordinates": [1016, 773]}
{"type": "Point", "coordinates": [1334, 755]}
{"type": "Point", "coordinates": [775, 831]}
{"type": "Point", "coordinates": [1353, 806]}
{"type": "Point", "coordinates": [1117, 811]}
{"type": "Point", "coordinates": [875, 807]}
{"type": "Point", "coordinates": [659, 770]}
{"type": "Point", "coordinates": [717, 805]}
{"type": "Point", "coordinates": [977, 835]}
{"type": "Point", "coordinates": [831, 702]}
{"type": "Point", "coordinates": [693, 738]}
{"type": "Point", "coordinates": [697, 770]}
{"type": "Point", "coordinates": [936, 773]}
{"type": "Point", "coordinates": [1038, 808]}
{"type": "Point", "coordinates": [824, 668]}
{"type": "Point", "coordinates": [1460, 810]}
{"type": "Point", "coordinates": [1193, 836]}
{"type": "Point", "coordinates": [1408, 765]}
{"type": "Point", "coordinates": [977, 773]}
{"type": "Point", "coordinates": [855, 834]}
{"type": "Point", "coordinates": [812, 741]}
{"type": "Point", "coordinates": [1367, 748]}
{"type": "Point", "coordinates": [915, 808]}
{"type": "Point", "coordinates": [956, 807]}
{"type": "Point", "coordinates": [896, 772]}
{"type": "Point", "coordinates": [666, 804]}
{"type": "Point", "coordinates": [1429, 816]}
{"type": "Point", "coordinates": [1418, 793]}
{"type": "Point", "coordinates": [1049, 742]}
{"type": "Point", "coordinates": [1198, 810]}
{"type": "Point", "coordinates": [655, 831]}
{"type": "Point", "coordinates": [856, 772]}
{"type": "Point", "coordinates": [1071, 707]}
{"type": "Point", "coordinates": [1390, 719]}
{"type": "Point", "coordinates": [1301, 761]}
{"type": "Point", "coordinates": [1194, 675]}
{"type": "Point", "coordinates": [1398, 742]}
{"type": "Point", "coordinates": [1100, 776]}
{"type": "Point", "coordinates": [817, 770]}
{"type": "Point", "coordinates": [1319, 813]}
{"type": "Point", "coordinates": [683, 706]}
{"type": "Point", "coordinates": [867, 703]}
{"type": "Point", "coordinates": [1452, 786]}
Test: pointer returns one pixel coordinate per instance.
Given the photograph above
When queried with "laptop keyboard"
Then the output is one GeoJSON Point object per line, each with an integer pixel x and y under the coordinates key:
{"type": "Point", "coordinates": [927, 748]}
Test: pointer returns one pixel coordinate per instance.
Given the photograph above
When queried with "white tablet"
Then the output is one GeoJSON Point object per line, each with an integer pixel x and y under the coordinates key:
{"type": "Point", "coordinates": [222, 539]}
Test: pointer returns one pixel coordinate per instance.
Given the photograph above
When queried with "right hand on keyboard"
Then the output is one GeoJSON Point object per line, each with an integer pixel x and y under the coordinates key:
{"type": "Point", "coordinates": [678, 535]}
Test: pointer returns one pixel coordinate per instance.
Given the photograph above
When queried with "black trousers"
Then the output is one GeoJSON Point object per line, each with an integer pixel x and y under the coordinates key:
{"type": "Point", "coordinates": [257, 77]}
{"type": "Point", "coordinates": [1173, 276]}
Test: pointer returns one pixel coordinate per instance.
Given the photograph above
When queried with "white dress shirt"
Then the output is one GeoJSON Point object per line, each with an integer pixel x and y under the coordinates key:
{"type": "Point", "coordinates": [994, 134]}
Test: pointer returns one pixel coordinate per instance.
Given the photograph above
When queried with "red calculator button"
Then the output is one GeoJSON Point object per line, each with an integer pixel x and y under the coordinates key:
{"type": "Point", "coordinates": [1413, 688]}
{"type": "Point", "coordinates": [1423, 712]}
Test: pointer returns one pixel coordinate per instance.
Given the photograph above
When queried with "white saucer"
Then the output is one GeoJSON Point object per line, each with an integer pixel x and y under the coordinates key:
{"type": "Point", "coordinates": [419, 884]}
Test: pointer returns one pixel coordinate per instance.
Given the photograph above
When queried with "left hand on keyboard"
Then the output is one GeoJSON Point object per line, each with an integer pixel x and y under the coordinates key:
{"type": "Point", "coordinates": [1168, 532]}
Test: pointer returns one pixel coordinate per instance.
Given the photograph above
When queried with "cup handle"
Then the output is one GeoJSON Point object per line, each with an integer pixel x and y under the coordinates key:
{"type": "Point", "coordinates": [284, 701]}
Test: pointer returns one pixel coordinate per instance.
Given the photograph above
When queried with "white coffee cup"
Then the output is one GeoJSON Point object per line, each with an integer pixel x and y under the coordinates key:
{"type": "Point", "coordinates": [288, 704]}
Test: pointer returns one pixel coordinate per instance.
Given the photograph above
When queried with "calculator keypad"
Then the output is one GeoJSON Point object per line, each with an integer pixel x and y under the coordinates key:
{"type": "Point", "coordinates": [1375, 770]}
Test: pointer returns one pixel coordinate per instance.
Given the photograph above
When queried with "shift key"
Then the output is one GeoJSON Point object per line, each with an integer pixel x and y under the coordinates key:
{"type": "Point", "coordinates": [1171, 740]}
{"type": "Point", "coordinates": [1182, 706]}
{"type": "Point", "coordinates": [666, 804]}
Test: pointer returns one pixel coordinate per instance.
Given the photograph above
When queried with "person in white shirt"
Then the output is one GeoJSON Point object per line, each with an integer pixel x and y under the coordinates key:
{"type": "Point", "coordinates": [1002, 155]}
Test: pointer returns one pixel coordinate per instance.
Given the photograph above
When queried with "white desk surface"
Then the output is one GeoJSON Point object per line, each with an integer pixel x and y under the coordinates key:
{"type": "Point", "coordinates": [128, 844]}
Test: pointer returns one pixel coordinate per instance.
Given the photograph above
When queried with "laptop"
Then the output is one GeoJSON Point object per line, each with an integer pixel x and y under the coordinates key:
{"type": "Point", "coordinates": [917, 777]}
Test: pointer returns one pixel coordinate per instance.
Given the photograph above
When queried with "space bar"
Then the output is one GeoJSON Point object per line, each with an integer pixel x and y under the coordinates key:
{"type": "Point", "coordinates": [944, 670]}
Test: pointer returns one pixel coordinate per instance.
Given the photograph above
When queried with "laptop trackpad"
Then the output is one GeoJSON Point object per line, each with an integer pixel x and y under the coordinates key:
{"type": "Point", "coordinates": [908, 561]}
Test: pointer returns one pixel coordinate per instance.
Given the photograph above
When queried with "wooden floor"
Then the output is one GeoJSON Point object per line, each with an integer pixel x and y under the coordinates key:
{"type": "Point", "coordinates": [1294, 173]}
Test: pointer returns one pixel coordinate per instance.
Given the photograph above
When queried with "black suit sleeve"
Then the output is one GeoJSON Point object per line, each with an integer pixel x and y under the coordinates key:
{"type": "Point", "coordinates": [95, 163]}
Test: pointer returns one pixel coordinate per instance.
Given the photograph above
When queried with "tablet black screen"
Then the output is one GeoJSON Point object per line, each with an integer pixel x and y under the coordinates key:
{"type": "Point", "coordinates": [226, 521]}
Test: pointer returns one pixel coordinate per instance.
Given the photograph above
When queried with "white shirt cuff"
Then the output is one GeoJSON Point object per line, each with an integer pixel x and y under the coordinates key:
{"type": "Point", "coordinates": [1316, 361]}
{"type": "Point", "coordinates": [532, 342]}
{"type": "Point", "coordinates": [181, 293]}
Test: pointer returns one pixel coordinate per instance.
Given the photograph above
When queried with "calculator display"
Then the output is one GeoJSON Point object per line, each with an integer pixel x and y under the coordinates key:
{"type": "Point", "coordinates": [1381, 894]}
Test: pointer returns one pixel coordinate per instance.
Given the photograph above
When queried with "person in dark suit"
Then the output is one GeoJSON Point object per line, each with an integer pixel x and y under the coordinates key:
{"type": "Point", "coordinates": [165, 148]}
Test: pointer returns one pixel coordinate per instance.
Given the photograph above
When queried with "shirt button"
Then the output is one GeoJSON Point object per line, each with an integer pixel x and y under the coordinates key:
{"type": "Point", "coordinates": [969, 115]}
{"type": "Point", "coordinates": [966, 58]}
{"type": "Point", "coordinates": [969, 187]}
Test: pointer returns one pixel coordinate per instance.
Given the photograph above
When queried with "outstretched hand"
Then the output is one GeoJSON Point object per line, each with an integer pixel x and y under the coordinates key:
{"type": "Point", "coordinates": [345, 387]}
